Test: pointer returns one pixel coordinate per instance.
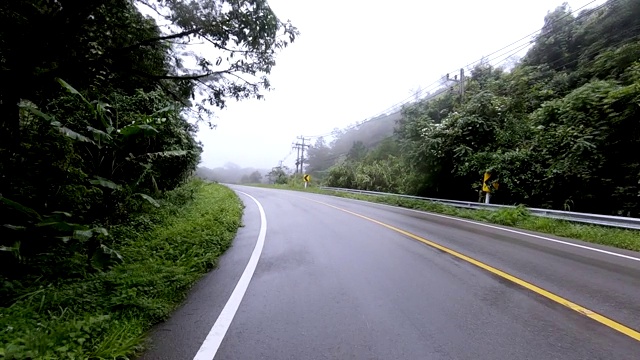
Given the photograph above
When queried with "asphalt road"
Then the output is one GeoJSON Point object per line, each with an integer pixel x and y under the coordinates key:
{"type": "Point", "coordinates": [359, 284]}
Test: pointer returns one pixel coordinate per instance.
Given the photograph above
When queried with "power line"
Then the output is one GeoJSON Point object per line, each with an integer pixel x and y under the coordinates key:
{"type": "Point", "coordinates": [511, 52]}
{"type": "Point", "coordinates": [539, 30]}
{"type": "Point", "coordinates": [386, 111]}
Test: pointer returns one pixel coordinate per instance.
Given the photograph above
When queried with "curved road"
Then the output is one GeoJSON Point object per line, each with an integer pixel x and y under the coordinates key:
{"type": "Point", "coordinates": [333, 278]}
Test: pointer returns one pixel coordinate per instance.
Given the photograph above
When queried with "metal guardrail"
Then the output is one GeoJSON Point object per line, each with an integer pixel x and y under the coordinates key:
{"type": "Point", "coordinates": [593, 219]}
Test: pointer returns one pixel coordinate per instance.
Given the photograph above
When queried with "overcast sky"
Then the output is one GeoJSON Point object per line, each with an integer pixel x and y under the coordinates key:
{"type": "Point", "coordinates": [356, 58]}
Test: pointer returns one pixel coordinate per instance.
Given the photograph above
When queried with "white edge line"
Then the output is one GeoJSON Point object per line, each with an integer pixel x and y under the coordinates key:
{"type": "Point", "coordinates": [499, 228]}
{"type": "Point", "coordinates": [211, 344]}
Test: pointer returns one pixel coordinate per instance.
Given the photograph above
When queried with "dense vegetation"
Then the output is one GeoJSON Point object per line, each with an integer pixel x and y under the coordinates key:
{"type": "Point", "coordinates": [559, 130]}
{"type": "Point", "coordinates": [367, 134]}
{"type": "Point", "coordinates": [106, 315]}
{"type": "Point", "coordinates": [99, 105]}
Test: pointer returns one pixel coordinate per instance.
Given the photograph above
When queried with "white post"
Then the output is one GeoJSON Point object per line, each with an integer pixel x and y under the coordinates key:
{"type": "Point", "coordinates": [487, 198]}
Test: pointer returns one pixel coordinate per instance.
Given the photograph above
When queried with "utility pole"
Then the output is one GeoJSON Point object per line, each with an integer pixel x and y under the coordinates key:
{"type": "Point", "coordinates": [295, 146]}
{"type": "Point", "coordinates": [300, 146]}
{"type": "Point", "coordinates": [298, 160]}
{"type": "Point", "coordinates": [460, 83]}
{"type": "Point", "coordinates": [302, 155]}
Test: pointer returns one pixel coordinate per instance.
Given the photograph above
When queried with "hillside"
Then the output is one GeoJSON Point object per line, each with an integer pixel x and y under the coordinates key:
{"type": "Point", "coordinates": [559, 130]}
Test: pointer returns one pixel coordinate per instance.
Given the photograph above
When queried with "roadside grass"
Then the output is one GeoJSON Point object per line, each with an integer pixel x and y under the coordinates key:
{"type": "Point", "coordinates": [105, 315]}
{"type": "Point", "coordinates": [517, 217]}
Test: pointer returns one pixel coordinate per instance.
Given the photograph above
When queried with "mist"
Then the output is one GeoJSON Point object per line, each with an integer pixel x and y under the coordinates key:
{"type": "Point", "coordinates": [232, 173]}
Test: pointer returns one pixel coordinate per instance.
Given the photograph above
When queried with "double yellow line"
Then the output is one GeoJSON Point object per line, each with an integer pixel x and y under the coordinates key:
{"type": "Point", "coordinates": [538, 290]}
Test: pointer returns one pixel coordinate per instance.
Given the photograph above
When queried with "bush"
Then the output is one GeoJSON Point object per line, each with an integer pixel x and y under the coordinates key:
{"type": "Point", "coordinates": [105, 314]}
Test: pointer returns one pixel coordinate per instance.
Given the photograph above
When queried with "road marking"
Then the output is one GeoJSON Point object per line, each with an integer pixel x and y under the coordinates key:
{"type": "Point", "coordinates": [210, 346]}
{"type": "Point", "coordinates": [500, 228]}
{"type": "Point", "coordinates": [634, 334]}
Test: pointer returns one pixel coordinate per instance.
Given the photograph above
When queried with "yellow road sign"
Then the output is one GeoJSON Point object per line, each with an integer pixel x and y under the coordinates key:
{"type": "Point", "coordinates": [307, 177]}
{"type": "Point", "coordinates": [487, 184]}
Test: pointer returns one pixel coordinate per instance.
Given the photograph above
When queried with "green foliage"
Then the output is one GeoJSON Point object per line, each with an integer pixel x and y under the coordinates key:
{"type": "Point", "coordinates": [355, 141]}
{"type": "Point", "coordinates": [96, 124]}
{"type": "Point", "coordinates": [253, 178]}
{"type": "Point", "coordinates": [105, 315]}
{"type": "Point", "coordinates": [560, 129]}
{"type": "Point", "coordinates": [279, 175]}
{"type": "Point", "coordinates": [111, 171]}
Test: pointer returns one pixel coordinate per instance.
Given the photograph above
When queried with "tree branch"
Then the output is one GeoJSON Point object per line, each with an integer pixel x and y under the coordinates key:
{"type": "Point", "coordinates": [184, 77]}
{"type": "Point", "coordinates": [173, 95]}
{"type": "Point", "coordinates": [162, 38]}
{"type": "Point", "coordinates": [224, 48]}
{"type": "Point", "coordinates": [239, 77]}
{"type": "Point", "coordinates": [154, 9]}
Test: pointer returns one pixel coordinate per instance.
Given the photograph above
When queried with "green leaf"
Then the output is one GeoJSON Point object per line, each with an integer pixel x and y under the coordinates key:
{"type": "Point", "coordinates": [74, 135]}
{"type": "Point", "coordinates": [151, 200]}
{"type": "Point", "coordinates": [135, 128]}
{"type": "Point", "coordinates": [101, 110]}
{"type": "Point", "coordinates": [37, 112]}
{"type": "Point", "coordinates": [167, 153]}
{"type": "Point", "coordinates": [101, 230]}
{"type": "Point", "coordinates": [105, 257]}
{"type": "Point", "coordinates": [64, 213]}
{"type": "Point", "coordinates": [19, 207]}
{"type": "Point", "coordinates": [73, 91]}
{"type": "Point", "coordinates": [14, 227]}
{"type": "Point", "coordinates": [155, 184]}
{"type": "Point", "coordinates": [82, 235]}
{"type": "Point", "coordinates": [60, 225]}
{"type": "Point", "coordinates": [164, 109]}
{"type": "Point", "coordinates": [102, 106]}
{"type": "Point", "coordinates": [105, 183]}
{"type": "Point", "coordinates": [69, 88]}
{"type": "Point", "coordinates": [99, 135]}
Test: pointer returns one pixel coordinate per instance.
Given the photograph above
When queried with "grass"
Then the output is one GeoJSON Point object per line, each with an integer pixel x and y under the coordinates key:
{"type": "Point", "coordinates": [517, 217]}
{"type": "Point", "coordinates": [106, 315]}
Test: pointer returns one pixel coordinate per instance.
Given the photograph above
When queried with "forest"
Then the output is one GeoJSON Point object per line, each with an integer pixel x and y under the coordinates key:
{"type": "Point", "coordinates": [99, 112]}
{"type": "Point", "coordinates": [100, 101]}
{"type": "Point", "coordinates": [559, 130]}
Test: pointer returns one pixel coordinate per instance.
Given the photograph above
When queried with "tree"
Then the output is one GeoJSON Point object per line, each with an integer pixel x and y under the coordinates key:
{"type": "Point", "coordinates": [555, 44]}
{"type": "Point", "coordinates": [357, 152]}
{"type": "Point", "coordinates": [560, 129]}
{"type": "Point", "coordinates": [319, 157]}
{"type": "Point", "coordinates": [255, 177]}
{"type": "Point", "coordinates": [95, 101]}
{"type": "Point", "coordinates": [279, 175]}
{"type": "Point", "coordinates": [95, 44]}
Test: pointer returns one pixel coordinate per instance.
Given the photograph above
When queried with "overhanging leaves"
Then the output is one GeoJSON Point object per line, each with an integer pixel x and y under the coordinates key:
{"type": "Point", "coordinates": [171, 153]}
{"type": "Point", "coordinates": [135, 129]}
{"type": "Point", "coordinates": [29, 212]}
{"type": "Point", "coordinates": [100, 181]}
{"type": "Point", "coordinates": [149, 199]}
{"type": "Point", "coordinates": [74, 135]}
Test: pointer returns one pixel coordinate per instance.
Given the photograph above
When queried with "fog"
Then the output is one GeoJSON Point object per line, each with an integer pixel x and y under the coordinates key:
{"type": "Point", "coordinates": [231, 173]}
{"type": "Point", "coordinates": [356, 59]}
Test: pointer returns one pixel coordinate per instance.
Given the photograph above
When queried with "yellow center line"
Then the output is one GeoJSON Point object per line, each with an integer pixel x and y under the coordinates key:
{"type": "Point", "coordinates": [634, 334]}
